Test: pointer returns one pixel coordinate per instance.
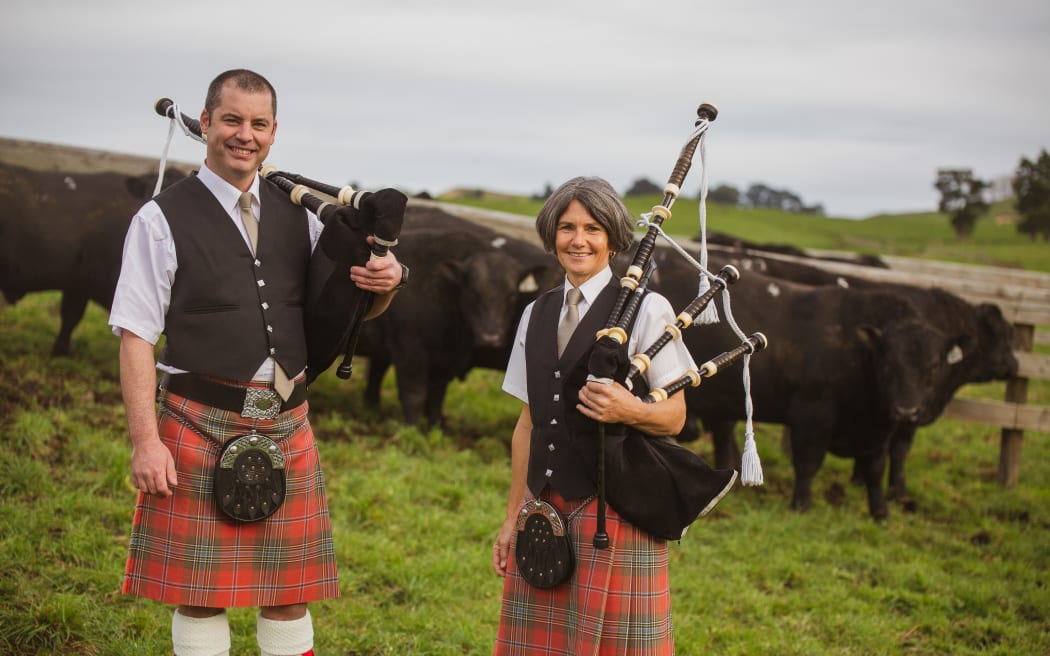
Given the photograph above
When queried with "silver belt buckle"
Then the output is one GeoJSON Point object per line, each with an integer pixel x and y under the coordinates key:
{"type": "Point", "coordinates": [261, 403]}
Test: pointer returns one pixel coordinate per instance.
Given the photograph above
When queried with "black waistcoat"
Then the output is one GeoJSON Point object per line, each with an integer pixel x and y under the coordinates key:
{"type": "Point", "coordinates": [554, 458]}
{"type": "Point", "coordinates": [229, 309]}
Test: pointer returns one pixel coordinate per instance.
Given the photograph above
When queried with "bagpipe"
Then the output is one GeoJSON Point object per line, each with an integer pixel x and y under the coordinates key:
{"type": "Point", "coordinates": [335, 305]}
{"type": "Point", "coordinates": [654, 482]}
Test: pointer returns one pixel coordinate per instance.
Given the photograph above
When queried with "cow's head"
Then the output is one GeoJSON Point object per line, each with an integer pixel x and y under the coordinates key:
{"type": "Point", "coordinates": [910, 363]}
{"type": "Point", "coordinates": [995, 344]}
{"type": "Point", "coordinates": [490, 285]}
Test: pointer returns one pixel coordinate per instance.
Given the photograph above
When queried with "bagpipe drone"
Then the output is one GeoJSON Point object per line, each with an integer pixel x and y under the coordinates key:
{"type": "Point", "coordinates": [653, 482]}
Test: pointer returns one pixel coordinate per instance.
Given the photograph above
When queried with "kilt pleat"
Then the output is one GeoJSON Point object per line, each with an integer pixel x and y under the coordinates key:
{"type": "Point", "coordinates": [618, 600]}
{"type": "Point", "coordinates": [184, 551]}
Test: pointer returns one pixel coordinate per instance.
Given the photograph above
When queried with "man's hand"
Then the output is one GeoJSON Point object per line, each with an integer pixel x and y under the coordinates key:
{"type": "Point", "coordinates": [153, 468]}
{"type": "Point", "coordinates": [152, 465]}
{"type": "Point", "coordinates": [380, 275]}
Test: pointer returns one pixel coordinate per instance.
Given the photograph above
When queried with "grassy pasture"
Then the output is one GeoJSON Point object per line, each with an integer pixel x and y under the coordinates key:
{"type": "Point", "coordinates": [965, 571]}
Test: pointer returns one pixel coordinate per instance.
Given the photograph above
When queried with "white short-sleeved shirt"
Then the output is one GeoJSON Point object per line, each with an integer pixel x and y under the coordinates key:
{"type": "Point", "coordinates": [654, 313]}
{"type": "Point", "coordinates": [147, 272]}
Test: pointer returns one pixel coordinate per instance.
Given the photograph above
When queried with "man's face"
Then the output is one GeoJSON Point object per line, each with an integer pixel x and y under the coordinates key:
{"type": "Point", "coordinates": [240, 131]}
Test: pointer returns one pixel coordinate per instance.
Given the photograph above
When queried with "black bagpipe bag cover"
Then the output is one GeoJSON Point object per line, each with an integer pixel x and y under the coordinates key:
{"type": "Point", "coordinates": [334, 303]}
{"type": "Point", "coordinates": [651, 481]}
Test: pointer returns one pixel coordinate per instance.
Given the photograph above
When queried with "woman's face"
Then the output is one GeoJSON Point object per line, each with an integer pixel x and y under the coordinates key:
{"type": "Point", "coordinates": [581, 244]}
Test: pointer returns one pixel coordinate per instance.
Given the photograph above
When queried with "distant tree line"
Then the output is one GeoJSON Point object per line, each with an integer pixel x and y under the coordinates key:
{"type": "Point", "coordinates": [757, 195]}
{"type": "Point", "coordinates": [963, 197]}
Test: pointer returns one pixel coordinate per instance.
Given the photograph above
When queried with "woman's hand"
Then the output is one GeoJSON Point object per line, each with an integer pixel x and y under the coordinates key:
{"type": "Point", "coordinates": [609, 403]}
{"type": "Point", "coordinates": [501, 548]}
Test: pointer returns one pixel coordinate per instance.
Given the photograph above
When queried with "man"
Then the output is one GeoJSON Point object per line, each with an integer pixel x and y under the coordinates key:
{"type": "Point", "coordinates": [231, 306]}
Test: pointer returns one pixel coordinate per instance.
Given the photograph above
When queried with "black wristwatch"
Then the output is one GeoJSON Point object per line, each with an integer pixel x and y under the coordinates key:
{"type": "Point", "coordinates": [404, 277]}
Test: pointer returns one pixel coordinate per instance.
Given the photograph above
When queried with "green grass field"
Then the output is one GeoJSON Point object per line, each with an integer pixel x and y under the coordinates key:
{"type": "Point", "coordinates": [967, 571]}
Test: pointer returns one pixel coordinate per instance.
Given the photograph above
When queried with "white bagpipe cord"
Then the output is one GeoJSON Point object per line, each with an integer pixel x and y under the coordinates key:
{"type": "Point", "coordinates": [709, 313]}
{"type": "Point", "coordinates": [175, 112]}
{"type": "Point", "coordinates": [750, 465]}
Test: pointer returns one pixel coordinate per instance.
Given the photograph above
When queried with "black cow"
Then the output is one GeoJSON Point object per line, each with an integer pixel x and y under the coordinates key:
{"type": "Point", "coordinates": [983, 336]}
{"type": "Point", "coordinates": [66, 231]}
{"type": "Point", "coordinates": [843, 367]}
{"type": "Point", "coordinates": [467, 289]}
{"type": "Point", "coordinates": [741, 245]}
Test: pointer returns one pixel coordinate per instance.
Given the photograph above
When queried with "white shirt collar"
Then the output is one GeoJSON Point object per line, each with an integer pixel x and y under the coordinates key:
{"type": "Point", "coordinates": [592, 287]}
{"type": "Point", "coordinates": [228, 195]}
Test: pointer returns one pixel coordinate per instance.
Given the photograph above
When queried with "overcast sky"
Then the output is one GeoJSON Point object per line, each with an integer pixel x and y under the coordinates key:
{"type": "Point", "coordinates": [850, 104]}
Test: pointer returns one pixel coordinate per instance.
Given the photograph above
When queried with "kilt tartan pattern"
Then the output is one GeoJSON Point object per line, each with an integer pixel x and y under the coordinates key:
{"type": "Point", "coordinates": [184, 551]}
{"type": "Point", "coordinates": [618, 600]}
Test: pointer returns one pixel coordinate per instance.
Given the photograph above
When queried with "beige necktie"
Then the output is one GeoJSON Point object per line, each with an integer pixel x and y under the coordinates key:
{"type": "Point", "coordinates": [281, 382]}
{"type": "Point", "coordinates": [251, 224]}
{"type": "Point", "coordinates": [571, 318]}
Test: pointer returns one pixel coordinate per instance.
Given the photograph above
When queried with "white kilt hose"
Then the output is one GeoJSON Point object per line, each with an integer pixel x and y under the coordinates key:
{"type": "Point", "coordinates": [185, 551]}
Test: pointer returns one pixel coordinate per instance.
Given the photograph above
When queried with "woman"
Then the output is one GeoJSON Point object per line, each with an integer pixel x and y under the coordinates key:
{"type": "Point", "coordinates": [618, 599]}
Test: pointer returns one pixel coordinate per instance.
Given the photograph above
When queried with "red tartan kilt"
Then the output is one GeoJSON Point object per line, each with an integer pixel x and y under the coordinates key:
{"type": "Point", "coordinates": [618, 600]}
{"type": "Point", "coordinates": [184, 551]}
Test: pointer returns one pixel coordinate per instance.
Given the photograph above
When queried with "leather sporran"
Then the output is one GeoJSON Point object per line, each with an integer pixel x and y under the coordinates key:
{"type": "Point", "coordinates": [543, 551]}
{"type": "Point", "coordinates": [249, 478]}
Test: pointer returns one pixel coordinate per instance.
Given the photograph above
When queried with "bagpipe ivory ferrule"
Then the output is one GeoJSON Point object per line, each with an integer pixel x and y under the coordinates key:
{"type": "Point", "coordinates": [662, 212]}
{"type": "Point", "coordinates": [641, 362]}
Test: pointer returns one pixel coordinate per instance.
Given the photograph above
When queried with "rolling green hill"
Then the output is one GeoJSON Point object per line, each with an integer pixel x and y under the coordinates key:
{"type": "Point", "coordinates": [928, 235]}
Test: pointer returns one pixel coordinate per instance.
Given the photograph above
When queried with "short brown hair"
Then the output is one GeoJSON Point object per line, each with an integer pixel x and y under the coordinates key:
{"type": "Point", "coordinates": [600, 200]}
{"type": "Point", "coordinates": [244, 80]}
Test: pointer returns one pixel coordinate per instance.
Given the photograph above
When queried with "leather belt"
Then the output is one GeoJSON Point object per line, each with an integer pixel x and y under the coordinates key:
{"type": "Point", "coordinates": [251, 402]}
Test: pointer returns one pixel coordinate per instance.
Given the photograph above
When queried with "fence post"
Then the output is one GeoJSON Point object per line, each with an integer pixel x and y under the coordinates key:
{"type": "Point", "coordinates": [1016, 392]}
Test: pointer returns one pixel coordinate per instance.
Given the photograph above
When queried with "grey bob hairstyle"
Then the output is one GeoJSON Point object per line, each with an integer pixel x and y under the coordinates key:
{"type": "Point", "coordinates": [600, 200]}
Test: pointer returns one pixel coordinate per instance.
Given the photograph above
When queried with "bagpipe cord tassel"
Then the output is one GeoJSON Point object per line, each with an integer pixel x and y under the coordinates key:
{"type": "Point", "coordinates": [750, 465]}
{"type": "Point", "coordinates": [710, 313]}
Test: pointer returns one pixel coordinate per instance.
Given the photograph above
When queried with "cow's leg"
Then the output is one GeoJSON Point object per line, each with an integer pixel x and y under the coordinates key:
{"type": "Point", "coordinates": [900, 444]}
{"type": "Point", "coordinates": [436, 390]}
{"type": "Point", "coordinates": [873, 467]}
{"type": "Point", "coordinates": [808, 449]}
{"type": "Point", "coordinates": [377, 366]}
{"type": "Point", "coordinates": [74, 304]}
{"type": "Point", "coordinates": [857, 477]}
{"type": "Point", "coordinates": [412, 387]}
{"type": "Point", "coordinates": [727, 453]}
{"type": "Point", "coordinates": [11, 296]}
